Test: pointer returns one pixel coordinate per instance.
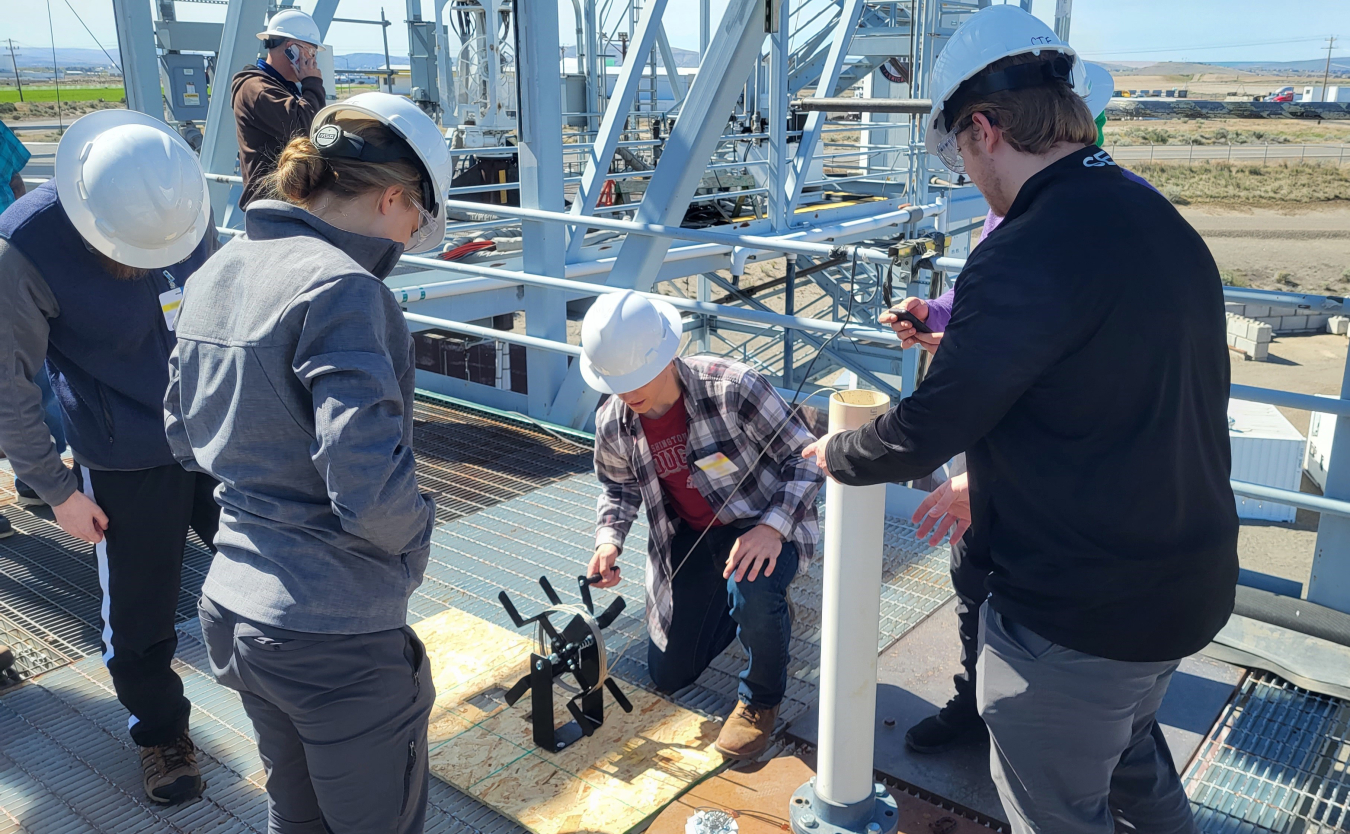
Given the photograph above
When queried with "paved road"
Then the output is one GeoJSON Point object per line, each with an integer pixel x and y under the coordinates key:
{"type": "Point", "coordinates": [1237, 153]}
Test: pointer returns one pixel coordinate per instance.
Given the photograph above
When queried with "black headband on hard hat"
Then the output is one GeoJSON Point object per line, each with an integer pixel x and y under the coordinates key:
{"type": "Point", "coordinates": [1017, 77]}
{"type": "Point", "coordinates": [333, 142]}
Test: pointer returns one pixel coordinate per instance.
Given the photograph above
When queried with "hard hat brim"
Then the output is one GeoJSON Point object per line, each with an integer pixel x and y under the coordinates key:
{"type": "Point", "coordinates": [666, 351]}
{"type": "Point", "coordinates": [262, 36]}
{"type": "Point", "coordinates": [69, 161]}
{"type": "Point", "coordinates": [1101, 86]}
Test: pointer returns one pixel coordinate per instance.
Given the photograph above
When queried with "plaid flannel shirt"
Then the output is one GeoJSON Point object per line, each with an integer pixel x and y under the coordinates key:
{"type": "Point", "coordinates": [732, 410]}
{"type": "Point", "coordinates": [13, 157]}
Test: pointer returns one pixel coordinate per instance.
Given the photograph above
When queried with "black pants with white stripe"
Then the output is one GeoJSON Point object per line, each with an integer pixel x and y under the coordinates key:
{"type": "Point", "coordinates": [140, 569]}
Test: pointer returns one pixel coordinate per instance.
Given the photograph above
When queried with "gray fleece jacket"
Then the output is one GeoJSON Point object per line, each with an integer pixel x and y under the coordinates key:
{"type": "Point", "coordinates": [292, 384]}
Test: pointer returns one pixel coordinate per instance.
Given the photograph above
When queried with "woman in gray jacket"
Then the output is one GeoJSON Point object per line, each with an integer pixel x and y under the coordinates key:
{"type": "Point", "coordinates": [292, 384]}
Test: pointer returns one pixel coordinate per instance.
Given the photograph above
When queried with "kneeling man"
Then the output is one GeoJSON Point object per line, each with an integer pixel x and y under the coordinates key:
{"type": "Point", "coordinates": [713, 452]}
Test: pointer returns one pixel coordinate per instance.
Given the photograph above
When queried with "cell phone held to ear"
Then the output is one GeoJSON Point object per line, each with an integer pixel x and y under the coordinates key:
{"type": "Point", "coordinates": [293, 52]}
{"type": "Point", "coordinates": [914, 321]}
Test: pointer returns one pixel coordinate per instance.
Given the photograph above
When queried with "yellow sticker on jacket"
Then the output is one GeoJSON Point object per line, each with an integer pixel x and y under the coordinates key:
{"type": "Point", "coordinates": [717, 465]}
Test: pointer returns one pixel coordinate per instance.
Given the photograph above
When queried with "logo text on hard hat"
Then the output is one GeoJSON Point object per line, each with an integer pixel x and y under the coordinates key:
{"type": "Point", "coordinates": [327, 136]}
{"type": "Point", "coordinates": [1043, 39]}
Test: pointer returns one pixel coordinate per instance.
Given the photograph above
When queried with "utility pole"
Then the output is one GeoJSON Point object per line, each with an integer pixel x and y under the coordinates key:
{"type": "Point", "coordinates": [17, 81]}
{"type": "Point", "coordinates": [1326, 76]}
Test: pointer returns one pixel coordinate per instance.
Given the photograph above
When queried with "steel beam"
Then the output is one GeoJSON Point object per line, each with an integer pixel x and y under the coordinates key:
{"type": "Point", "coordinates": [140, 62]}
{"type": "Point", "coordinates": [239, 47]}
{"type": "Point", "coordinates": [323, 15]}
{"type": "Point", "coordinates": [541, 187]}
{"type": "Point", "coordinates": [1329, 583]}
{"type": "Point", "coordinates": [671, 68]}
{"type": "Point", "coordinates": [778, 113]}
{"type": "Point", "coordinates": [829, 76]}
{"type": "Point", "coordinates": [911, 106]}
{"type": "Point", "coordinates": [616, 116]}
{"type": "Point", "coordinates": [731, 56]}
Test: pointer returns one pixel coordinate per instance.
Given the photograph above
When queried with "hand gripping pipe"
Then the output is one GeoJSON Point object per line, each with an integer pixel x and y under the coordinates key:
{"type": "Point", "coordinates": [843, 798]}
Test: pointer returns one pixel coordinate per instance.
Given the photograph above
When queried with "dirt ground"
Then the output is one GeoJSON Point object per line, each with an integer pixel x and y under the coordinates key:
{"type": "Point", "coordinates": [1307, 365]}
{"type": "Point", "coordinates": [1257, 244]}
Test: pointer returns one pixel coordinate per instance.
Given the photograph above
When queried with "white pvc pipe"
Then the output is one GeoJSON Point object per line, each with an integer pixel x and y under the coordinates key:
{"type": "Point", "coordinates": [854, 528]}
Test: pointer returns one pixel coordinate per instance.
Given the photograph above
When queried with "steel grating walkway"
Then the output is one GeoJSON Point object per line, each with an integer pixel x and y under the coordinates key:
{"type": "Point", "coordinates": [1277, 761]}
{"type": "Point", "coordinates": [513, 503]}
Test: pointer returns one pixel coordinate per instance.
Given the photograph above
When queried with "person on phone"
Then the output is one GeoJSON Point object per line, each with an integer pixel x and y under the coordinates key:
{"type": "Point", "coordinates": [93, 263]}
{"type": "Point", "coordinates": [713, 453]}
{"type": "Point", "coordinates": [1098, 465]}
{"type": "Point", "coordinates": [292, 382]}
{"type": "Point", "coordinates": [275, 100]}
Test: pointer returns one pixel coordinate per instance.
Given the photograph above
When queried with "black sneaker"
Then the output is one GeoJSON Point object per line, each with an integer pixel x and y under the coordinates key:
{"type": "Point", "coordinates": [6, 529]}
{"type": "Point", "coordinates": [956, 723]}
{"type": "Point", "coordinates": [28, 497]}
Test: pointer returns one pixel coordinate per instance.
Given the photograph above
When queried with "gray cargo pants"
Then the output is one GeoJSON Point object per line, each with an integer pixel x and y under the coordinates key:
{"type": "Point", "coordinates": [341, 722]}
{"type": "Point", "coordinates": [1075, 745]}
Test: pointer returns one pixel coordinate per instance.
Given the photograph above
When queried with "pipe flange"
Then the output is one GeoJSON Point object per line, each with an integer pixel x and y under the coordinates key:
{"type": "Point", "coordinates": [809, 814]}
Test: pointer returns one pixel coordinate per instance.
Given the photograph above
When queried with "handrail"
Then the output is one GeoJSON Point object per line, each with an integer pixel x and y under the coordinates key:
{"type": "Point", "coordinates": [1301, 500]}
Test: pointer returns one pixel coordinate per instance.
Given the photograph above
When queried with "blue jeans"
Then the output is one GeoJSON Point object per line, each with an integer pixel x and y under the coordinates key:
{"type": "Point", "coordinates": [710, 612]}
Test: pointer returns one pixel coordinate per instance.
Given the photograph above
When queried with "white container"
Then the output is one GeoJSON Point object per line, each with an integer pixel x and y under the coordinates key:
{"type": "Point", "coordinates": [1321, 428]}
{"type": "Point", "coordinates": [1267, 450]}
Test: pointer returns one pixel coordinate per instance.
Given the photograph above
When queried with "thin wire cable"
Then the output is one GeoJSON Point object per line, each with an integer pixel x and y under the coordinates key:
{"type": "Point", "coordinates": [792, 414]}
{"type": "Point", "coordinates": [91, 34]}
{"type": "Point", "coordinates": [541, 638]}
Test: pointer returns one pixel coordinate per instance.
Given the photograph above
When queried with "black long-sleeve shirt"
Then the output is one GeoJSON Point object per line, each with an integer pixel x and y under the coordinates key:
{"type": "Point", "coordinates": [1096, 439]}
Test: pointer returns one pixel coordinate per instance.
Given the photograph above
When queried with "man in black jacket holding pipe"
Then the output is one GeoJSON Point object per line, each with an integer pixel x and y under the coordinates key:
{"type": "Point", "coordinates": [1098, 454]}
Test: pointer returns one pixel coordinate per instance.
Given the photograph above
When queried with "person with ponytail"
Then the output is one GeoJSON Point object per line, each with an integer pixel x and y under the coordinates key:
{"type": "Point", "coordinates": [292, 384]}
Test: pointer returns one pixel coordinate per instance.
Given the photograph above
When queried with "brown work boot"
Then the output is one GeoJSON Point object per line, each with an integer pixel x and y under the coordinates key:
{"type": "Point", "coordinates": [747, 732]}
{"type": "Point", "coordinates": [170, 771]}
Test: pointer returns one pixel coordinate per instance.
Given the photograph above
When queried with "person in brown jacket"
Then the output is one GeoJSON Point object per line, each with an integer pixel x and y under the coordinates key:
{"type": "Point", "coordinates": [276, 99]}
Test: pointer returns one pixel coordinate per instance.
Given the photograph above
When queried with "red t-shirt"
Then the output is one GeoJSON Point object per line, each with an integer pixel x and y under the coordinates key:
{"type": "Point", "coordinates": [668, 438]}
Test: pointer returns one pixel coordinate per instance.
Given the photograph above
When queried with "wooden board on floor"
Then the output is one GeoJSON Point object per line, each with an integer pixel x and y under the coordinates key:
{"type": "Point", "coordinates": [758, 798]}
{"type": "Point", "coordinates": [606, 784]}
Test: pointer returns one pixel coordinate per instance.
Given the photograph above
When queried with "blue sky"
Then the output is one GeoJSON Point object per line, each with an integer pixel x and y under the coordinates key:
{"type": "Point", "coordinates": [1110, 30]}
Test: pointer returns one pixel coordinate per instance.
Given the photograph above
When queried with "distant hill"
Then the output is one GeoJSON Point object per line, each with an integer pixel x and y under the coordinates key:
{"type": "Point", "coordinates": [41, 59]}
{"type": "Point", "coordinates": [367, 60]}
{"type": "Point", "coordinates": [1339, 64]}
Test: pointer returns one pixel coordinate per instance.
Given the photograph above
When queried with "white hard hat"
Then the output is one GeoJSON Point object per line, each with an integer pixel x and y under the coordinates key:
{"type": "Point", "coordinates": [416, 129]}
{"type": "Point", "coordinates": [1101, 86]}
{"type": "Point", "coordinates": [132, 188]}
{"type": "Point", "coordinates": [295, 25]}
{"type": "Point", "coordinates": [626, 341]}
{"type": "Point", "coordinates": [990, 35]}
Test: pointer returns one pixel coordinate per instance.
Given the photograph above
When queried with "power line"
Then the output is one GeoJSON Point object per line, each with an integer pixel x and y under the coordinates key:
{"type": "Point", "coordinates": [91, 34]}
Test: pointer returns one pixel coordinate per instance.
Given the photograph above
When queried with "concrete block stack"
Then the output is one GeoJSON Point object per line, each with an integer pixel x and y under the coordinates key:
{"type": "Point", "coordinates": [1282, 320]}
{"type": "Point", "coordinates": [1249, 337]}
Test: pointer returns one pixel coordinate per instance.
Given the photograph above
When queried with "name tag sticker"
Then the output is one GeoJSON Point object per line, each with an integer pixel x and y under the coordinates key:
{"type": "Point", "coordinates": [169, 302]}
{"type": "Point", "coordinates": [717, 465]}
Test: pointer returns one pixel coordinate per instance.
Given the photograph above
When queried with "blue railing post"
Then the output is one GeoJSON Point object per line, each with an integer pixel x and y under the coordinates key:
{"type": "Point", "coordinates": [1329, 583]}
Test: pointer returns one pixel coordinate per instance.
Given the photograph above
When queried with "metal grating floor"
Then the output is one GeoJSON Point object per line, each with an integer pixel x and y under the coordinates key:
{"type": "Point", "coordinates": [514, 503]}
{"type": "Point", "coordinates": [1277, 761]}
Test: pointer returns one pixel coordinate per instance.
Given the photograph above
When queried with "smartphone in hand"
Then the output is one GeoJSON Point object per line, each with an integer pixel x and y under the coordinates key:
{"type": "Point", "coordinates": [293, 52]}
{"type": "Point", "coordinates": [914, 321]}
